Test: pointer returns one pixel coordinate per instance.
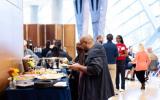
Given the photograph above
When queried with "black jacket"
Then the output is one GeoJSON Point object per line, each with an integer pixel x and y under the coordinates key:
{"type": "Point", "coordinates": [96, 84]}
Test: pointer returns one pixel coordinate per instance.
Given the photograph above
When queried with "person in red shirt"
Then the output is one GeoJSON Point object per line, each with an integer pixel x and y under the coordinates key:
{"type": "Point", "coordinates": [122, 50]}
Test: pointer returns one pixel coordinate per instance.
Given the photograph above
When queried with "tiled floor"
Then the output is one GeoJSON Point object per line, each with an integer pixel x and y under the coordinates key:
{"type": "Point", "coordinates": [133, 91]}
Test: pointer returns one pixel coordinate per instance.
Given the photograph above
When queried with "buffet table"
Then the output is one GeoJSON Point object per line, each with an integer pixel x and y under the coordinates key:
{"type": "Point", "coordinates": [38, 92]}
{"type": "Point", "coordinates": [61, 93]}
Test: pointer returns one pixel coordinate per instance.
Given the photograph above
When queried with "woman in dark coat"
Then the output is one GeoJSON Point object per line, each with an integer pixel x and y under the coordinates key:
{"type": "Point", "coordinates": [74, 75]}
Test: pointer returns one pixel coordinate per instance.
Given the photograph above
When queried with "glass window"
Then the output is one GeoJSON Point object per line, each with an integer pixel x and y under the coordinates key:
{"type": "Point", "coordinates": [140, 34]}
{"type": "Point", "coordinates": [155, 8]}
{"type": "Point", "coordinates": [136, 22]}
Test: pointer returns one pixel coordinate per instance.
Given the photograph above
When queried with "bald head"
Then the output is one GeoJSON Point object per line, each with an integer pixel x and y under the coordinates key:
{"type": "Point", "coordinates": [87, 41]}
{"type": "Point", "coordinates": [24, 42]}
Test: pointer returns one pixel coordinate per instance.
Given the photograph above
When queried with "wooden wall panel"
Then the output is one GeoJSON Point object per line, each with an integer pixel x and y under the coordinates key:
{"type": "Point", "coordinates": [59, 32]}
{"type": "Point", "coordinates": [42, 35]}
{"type": "Point", "coordinates": [69, 39]}
{"type": "Point", "coordinates": [50, 32]}
{"type": "Point", "coordinates": [32, 33]}
{"type": "Point", "coordinates": [24, 31]}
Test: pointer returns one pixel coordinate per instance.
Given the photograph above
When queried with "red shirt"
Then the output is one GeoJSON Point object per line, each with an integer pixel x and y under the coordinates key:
{"type": "Point", "coordinates": [121, 50]}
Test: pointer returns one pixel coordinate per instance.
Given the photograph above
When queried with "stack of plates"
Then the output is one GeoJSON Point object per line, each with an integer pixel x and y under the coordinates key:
{"type": "Point", "coordinates": [60, 84]}
{"type": "Point", "coordinates": [50, 76]}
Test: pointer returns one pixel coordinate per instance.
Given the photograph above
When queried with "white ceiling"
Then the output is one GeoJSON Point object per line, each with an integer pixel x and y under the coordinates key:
{"type": "Point", "coordinates": [33, 2]}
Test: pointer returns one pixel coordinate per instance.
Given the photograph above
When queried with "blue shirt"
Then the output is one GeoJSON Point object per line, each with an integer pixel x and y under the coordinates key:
{"type": "Point", "coordinates": [111, 52]}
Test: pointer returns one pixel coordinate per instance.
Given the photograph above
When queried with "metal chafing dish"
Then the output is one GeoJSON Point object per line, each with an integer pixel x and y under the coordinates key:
{"type": "Point", "coordinates": [44, 83]}
{"type": "Point", "coordinates": [53, 62]}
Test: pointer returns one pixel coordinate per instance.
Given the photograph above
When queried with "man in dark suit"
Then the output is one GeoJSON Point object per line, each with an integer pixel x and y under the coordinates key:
{"type": "Point", "coordinates": [94, 80]}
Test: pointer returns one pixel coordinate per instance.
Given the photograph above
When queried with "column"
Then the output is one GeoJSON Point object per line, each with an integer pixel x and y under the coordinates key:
{"type": "Point", "coordinates": [34, 13]}
{"type": "Point", "coordinates": [56, 12]}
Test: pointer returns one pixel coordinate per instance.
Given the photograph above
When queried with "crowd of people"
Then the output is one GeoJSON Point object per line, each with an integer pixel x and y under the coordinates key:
{"type": "Point", "coordinates": [50, 50]}
{"type": "Point", "coordinates": [99, 66]}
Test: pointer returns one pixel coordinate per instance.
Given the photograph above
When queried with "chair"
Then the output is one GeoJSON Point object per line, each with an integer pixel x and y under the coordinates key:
{"type": "Point", "coordinates": [155, 73]}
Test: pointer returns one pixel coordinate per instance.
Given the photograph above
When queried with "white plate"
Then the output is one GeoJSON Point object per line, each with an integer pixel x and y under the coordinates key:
{"type": "Point", "coordinates": [60, 84]}
{"type": "Point", "coordinates": [64, 65]}
{"type": "Point", "coordinates": [26, 84]}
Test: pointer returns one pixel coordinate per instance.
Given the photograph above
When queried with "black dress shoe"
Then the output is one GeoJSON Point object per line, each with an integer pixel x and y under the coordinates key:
{"type": "Point", "coordinates": [126, 78]}
{"type": "Point", "coordinates": [132, 79]}
{"type": "Point", "coordinates": [143, 86]}
{"type": "Point", "coordinates": [146, 79]}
